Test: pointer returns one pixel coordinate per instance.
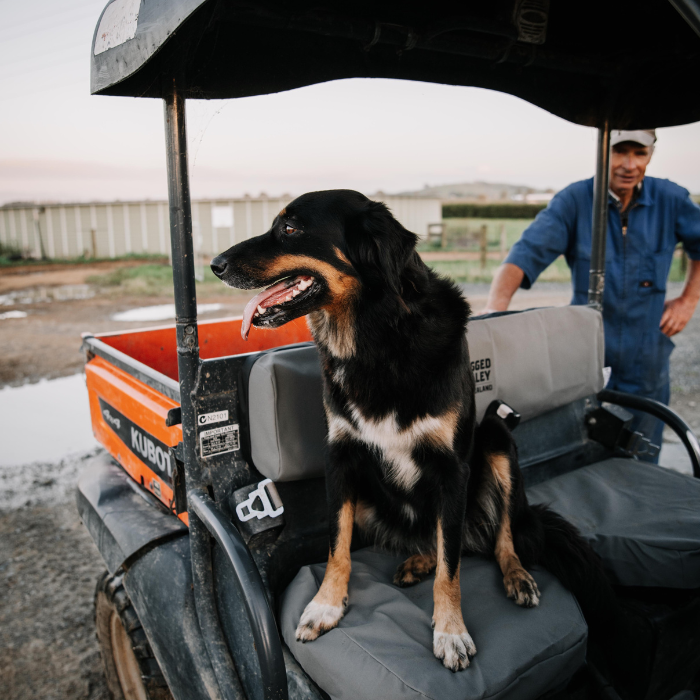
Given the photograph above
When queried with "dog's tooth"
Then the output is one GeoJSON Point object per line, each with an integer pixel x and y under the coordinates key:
{"type": "Point", "coordinates": [261, 311]}
{"type": "Point", "coordinates": [304, 284]}
{"type": "Point", "coordinates": [296, 293]}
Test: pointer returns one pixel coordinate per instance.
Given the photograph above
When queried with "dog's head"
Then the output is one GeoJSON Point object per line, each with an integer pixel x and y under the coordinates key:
{"type": "Point", "coordinates": [323, 251]}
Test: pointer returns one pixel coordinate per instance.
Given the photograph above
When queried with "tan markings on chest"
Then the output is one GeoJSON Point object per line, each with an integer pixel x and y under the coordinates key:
{"type": "Point", "coordinates": [396, 444]}
{"type": "Point", "coordinates": [335, 332]}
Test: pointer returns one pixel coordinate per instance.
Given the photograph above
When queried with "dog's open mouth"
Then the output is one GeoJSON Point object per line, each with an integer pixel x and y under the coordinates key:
{"type": "Point", "coordinates": [268, 303]}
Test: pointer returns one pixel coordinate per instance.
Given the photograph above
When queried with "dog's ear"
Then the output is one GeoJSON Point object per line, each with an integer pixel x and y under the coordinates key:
{"type": "Point", "coordinates": [379, 247]}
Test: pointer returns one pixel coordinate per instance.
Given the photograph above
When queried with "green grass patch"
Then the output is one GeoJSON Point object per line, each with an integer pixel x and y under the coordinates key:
{"type": "Point", "coordinates": [464, 234]}
{"type": "Point", "coordinates": [471, 270]}
{"type": "Point", "coordinates": [151, 280]}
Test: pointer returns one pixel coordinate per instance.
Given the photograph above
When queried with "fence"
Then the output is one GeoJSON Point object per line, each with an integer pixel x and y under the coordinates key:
{"type": "Point", "coordinates": [109, 230]}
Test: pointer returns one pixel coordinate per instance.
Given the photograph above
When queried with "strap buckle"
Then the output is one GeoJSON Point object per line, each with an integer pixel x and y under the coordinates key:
{"type": "Point", "coordinates": [245, 510]}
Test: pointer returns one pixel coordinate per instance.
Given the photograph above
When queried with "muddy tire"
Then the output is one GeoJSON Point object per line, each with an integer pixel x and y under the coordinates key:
{"type": "Point", "coordinates": [131, 670]}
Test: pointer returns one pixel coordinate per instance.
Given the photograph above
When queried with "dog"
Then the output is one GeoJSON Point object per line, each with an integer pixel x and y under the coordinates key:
{"type": "Point", "coordinates": [407, 462]}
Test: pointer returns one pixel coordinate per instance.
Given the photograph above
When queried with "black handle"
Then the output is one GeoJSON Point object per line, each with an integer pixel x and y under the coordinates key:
{"type": "Point", "coordinates": [267, 639]}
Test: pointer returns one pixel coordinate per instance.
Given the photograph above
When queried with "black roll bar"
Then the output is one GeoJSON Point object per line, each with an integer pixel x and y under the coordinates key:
{"type": "Point", "coordinates": [662, 412]}
{"type": "Point", "coordinates": [596, 276]}
{"type": "Point", "coordinates": [262, 621]}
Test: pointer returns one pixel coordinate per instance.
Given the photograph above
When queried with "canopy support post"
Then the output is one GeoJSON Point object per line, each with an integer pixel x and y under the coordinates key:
{"type": "Point", "coordinates": [601, 183]}
{"type": "Point", "coordinates": [188, 364]}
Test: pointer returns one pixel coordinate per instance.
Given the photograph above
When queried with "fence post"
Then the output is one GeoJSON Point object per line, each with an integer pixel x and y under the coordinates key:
{"type": "Point", "coordinates": [504, 242]}
{"type": "Point", "coordinates": [483, 244]}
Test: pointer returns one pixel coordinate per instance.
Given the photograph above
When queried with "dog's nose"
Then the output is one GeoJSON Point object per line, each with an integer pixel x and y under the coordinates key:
{"type": "Point", "coordinates": [218, 266]}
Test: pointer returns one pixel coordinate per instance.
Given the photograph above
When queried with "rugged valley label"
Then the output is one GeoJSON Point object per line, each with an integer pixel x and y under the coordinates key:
{"type": "Point", "coordinates": [483, 377]}
{"type": "Point", "coordinates": [152, 452]}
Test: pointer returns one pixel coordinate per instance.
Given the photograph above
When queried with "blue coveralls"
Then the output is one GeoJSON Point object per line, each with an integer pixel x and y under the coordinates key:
{"type": "Point", "coordinates": [636, 269]}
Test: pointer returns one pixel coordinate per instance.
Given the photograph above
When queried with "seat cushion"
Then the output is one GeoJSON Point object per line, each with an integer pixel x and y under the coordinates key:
{"type": "Point", "coordinates": [382, 648]}
{"type": "Point", "coordinates": [643, 520]}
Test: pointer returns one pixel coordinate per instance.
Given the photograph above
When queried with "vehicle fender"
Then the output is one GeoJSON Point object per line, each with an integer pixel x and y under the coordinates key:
{"type": "Point", "coordinates": [123, 519]}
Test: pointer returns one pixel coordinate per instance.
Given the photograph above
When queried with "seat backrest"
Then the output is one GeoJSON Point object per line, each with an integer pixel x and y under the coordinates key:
{"type": "Point", "coordinates": [535, 361]}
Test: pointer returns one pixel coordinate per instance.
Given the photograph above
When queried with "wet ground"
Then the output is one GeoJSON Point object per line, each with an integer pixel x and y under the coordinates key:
{"type": "Point", "coordinates": [48, 562]}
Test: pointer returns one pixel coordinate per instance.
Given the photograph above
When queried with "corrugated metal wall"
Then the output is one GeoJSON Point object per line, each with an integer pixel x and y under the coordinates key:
{"type": "Point", "coordinates": [111, 230]}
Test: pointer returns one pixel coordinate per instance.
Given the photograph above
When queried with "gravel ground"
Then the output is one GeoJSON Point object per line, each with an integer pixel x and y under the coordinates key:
{"type": "Point", "coordinates": [49, 564]}
{"type": "Point", "coordinates": [48, 569]}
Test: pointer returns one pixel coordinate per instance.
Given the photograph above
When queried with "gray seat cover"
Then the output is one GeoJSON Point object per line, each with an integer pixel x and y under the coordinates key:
{"type": "Point", "coordinates": [287, 421]}
{"type": "Point", "coordinates": [383, 646]}
{"type": "Point", "coordinates": [535, 361]}
{"type": "Point", "coordinates": [643, 520]}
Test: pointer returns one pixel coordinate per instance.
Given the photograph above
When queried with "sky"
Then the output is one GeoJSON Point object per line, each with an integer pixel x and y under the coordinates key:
{"type": "Point", "coordinates": [59, 143]}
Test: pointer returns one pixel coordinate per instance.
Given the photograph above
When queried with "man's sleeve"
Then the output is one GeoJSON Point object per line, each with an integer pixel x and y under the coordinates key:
{"type": "Point", "coordinates": [545, 239]}
{"type": "Point", "coordinates": [688, 226]}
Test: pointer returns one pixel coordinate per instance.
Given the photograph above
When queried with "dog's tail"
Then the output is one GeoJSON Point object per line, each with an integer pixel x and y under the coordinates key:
{"type": "Point", "coordinates": [543, 537]}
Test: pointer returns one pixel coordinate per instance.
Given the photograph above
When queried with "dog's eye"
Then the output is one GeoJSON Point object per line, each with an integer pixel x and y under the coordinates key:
{"type": "Point", "coordinates": [290, 229]}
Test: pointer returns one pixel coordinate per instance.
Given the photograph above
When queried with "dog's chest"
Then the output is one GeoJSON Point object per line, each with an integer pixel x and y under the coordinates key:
{"type": "Point", "coordinates": [396, 444]}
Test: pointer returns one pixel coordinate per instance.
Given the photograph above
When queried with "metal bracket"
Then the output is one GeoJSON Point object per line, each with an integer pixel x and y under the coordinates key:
{"type": "Point", "coordinates": [609, 425]}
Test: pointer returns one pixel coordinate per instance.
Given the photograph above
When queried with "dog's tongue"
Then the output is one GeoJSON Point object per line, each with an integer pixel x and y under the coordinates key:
{"type": "Point", "coordinates": [275, 294]}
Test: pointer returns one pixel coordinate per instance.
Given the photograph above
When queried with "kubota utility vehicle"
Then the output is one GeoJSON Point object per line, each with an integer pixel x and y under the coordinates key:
{"type": "Point", "coordinates": [208, 504]}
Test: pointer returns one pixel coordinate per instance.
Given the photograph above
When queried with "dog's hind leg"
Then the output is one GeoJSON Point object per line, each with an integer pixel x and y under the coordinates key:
{"type": "Point", "coordinates": [415, 569]}
{"type": "Point", "coordinates": [500, 457]}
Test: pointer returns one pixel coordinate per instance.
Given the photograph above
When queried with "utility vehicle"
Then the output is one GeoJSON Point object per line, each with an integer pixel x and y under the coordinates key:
{"type": "Point", "coordinates": [208, 503]}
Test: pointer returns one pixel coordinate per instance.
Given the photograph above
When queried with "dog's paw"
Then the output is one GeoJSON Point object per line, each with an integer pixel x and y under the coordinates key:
{"type": "Point", "coordinates": [414, 570]}
{"type": "Point", "coordinates": [454, 650]}
{"type": "Point", "coordinates": [319, 618]}
{"type": "Point", "coordinates": [521, 588]}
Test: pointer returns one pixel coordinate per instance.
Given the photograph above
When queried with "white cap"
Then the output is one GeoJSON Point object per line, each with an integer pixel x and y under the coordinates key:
{"type": "Point", "coordinates": [645, 137]}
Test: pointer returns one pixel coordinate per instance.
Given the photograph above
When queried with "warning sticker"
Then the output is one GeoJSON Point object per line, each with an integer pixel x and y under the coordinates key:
{"type": "Point", "coordinates": [216, 441]}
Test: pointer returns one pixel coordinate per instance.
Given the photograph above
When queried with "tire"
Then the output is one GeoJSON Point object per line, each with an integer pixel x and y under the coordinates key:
{"type": "Point", "coordinates": [131, 670]}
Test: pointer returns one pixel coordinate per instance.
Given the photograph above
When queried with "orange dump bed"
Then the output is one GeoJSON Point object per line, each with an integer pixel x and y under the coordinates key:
{"type": "Point", "coordinates": [132, 380]}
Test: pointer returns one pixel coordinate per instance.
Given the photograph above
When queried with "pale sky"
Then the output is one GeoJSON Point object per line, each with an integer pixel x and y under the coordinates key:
{"type": "Point", "coordinates": [59, 143]}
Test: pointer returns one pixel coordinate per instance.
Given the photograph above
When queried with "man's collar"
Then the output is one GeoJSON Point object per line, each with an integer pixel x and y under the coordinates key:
{"type": "Point", "coordinates": [641, 195]}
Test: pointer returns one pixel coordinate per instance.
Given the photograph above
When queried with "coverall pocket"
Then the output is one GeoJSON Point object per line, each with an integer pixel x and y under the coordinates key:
{"type": "Point", "coordinates": [653, 273]}
{"type": "Point", "coordinates": [652, 362]}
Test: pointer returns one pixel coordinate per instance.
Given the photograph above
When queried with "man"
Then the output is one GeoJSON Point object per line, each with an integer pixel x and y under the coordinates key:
{"type": "Point", "coordinates": [647, 218]}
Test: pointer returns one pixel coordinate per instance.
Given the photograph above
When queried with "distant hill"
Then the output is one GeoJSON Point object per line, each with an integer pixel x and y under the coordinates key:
{"type": "Point", "coordinates": [479, 192]}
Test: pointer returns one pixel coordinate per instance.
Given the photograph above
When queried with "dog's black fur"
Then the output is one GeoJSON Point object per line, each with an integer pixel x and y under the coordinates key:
{"type": "Point", "coordinates": [407, 462]}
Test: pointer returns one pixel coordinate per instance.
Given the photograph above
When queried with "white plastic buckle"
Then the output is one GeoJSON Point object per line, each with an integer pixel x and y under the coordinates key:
{"type": "Point", "coordinates": [245, 510]}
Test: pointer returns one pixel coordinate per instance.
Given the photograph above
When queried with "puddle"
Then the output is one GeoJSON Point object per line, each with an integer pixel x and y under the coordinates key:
{"type": "Point", "coordinates": [161, 312]}
{"type": "Point", "coordinates": [13, 314]}
{"type": "Point", "coordinates": [45, 422]}
{"type": "Point", "coordinates": [39, 295]}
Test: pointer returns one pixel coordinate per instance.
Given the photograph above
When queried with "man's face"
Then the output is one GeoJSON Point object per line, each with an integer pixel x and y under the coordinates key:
{"type": "Point", "coordinates": [628, 163]}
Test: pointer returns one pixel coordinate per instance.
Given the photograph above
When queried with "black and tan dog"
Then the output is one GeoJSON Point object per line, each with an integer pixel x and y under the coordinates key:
{"type": "Point", "coordinates": [407, 462]}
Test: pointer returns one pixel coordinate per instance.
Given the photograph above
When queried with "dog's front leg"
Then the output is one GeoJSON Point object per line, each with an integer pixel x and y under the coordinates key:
{"type": "Point", "coordinates": [327, 608]}
{"type": "Point", "coordinates": [451, 641]}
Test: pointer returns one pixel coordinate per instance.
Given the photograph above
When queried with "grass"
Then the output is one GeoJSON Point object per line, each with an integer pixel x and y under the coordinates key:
{"type": "Point", "coordinates": [471, 271]}
{"type": "Point", "coordinates": [150, 280]}
{"type": "Point", "coordinates": [462, 234]}
{"type": "Point", "coordinates": [12, 257]}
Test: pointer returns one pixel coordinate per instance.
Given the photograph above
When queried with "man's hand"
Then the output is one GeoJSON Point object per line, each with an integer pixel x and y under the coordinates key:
{"type": "Point", "coordinates": [677, 312]}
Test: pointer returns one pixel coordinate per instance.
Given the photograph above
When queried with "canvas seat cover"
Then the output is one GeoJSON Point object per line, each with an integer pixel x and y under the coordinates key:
{"type": "Point", "coordinates": [382, 648]}
{"type": "Point", "coordinates": [535, 360]}
{"type": "Point", "coordinates": [643, 520]}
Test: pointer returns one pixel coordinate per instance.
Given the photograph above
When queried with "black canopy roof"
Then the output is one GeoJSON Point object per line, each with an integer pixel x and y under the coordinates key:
{"type": "Point", "coordinates": [636, 62]}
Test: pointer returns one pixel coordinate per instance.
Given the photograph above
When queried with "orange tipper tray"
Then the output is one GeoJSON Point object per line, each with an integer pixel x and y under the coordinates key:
{"type": "Point", "coordinates": [134, 385]}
